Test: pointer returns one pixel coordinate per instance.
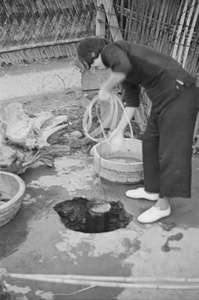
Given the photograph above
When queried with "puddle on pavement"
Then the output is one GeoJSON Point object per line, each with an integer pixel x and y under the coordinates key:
{"type": "Point", "coordinates": [177, 237]}
{"type": "Point", "coordinates": [81, 214]}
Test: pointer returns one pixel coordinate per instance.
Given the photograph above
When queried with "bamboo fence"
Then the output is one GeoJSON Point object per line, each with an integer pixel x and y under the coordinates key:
{"type": "Point", "coordinates": [45, 29]}
{"type": "Point", "coordinates": [171, 27]}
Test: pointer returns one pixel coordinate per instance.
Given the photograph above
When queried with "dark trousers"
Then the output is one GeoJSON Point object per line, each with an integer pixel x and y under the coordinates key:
{"type": "Point", "coordinates": [167, 145]}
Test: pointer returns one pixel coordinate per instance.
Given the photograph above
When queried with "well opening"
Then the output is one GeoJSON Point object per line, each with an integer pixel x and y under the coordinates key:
{"type": "Point", "coordinates": [91, 216]}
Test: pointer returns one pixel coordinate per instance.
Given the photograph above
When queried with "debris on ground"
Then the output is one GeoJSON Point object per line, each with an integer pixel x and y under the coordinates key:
{"type": "Point", "coordinates": [27, 138]}
{"type": "Point", "coordinates": [29, 131]}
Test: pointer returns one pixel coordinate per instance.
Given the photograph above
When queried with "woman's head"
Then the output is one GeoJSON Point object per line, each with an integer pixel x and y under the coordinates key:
{"type": "Point", "coordinates": [89, 49]}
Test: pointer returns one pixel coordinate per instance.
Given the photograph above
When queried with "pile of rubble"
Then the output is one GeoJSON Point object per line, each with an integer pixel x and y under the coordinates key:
{"type": "Point", "coordinates": [25, 138]}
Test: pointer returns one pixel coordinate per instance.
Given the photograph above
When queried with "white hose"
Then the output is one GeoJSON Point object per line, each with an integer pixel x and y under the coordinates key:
{"type": "Point", "coordinates": [112, 115]}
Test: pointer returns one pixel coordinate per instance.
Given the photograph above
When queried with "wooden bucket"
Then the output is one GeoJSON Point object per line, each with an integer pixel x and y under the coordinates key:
{"type": "Point", "coordinates": [12, 189]}
{"type": "Point", "coordinates": [124, 166]}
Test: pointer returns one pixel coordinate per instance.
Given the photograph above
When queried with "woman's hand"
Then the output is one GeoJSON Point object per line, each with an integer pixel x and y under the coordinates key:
{"type": "Point", "coordinates": [116, 141]}
{"type": "Point", "coordinates": [116, 132]}
{"type": "Point", "coordinates": [104, 95]}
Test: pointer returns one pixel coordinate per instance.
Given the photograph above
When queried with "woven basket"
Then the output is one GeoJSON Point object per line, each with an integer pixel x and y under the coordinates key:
{"type": "Point", "coordinates": [12, 189]}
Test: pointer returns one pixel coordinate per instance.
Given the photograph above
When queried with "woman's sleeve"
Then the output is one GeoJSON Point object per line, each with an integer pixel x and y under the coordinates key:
{"type": "Point", "coordinates": [116, 59]}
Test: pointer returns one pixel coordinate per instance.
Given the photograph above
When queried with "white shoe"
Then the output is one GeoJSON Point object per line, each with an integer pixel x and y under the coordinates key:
{"type": "Point", "coordinates": [140, 193]}
{"type": "Point", "coordinates": [154, 214]}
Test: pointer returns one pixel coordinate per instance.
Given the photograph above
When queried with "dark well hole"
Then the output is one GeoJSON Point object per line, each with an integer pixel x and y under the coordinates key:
{"type": "Point", "coordinates": [89, 216]}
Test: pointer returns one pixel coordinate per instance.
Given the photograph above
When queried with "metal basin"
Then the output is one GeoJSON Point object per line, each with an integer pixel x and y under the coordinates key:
{"type": "Point", "coordinates": [12, 190]}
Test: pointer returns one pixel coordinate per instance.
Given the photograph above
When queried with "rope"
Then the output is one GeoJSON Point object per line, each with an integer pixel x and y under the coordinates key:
{"type": "Point", "coordinates": [112, 116]}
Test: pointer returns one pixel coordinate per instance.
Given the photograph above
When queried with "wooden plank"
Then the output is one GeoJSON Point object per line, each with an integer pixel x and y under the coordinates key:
{"type": "Point", "coordinates": [112, 19]}
{"type": "Point", "coordinates": [100, 20]}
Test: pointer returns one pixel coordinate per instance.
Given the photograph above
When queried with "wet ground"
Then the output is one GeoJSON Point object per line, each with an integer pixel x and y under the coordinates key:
{"type": "Point", "coordinates": [37, 242]}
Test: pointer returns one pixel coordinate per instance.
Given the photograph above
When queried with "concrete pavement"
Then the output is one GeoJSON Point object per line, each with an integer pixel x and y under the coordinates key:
{"type": "Point", "coordinates": [37, 242]}
{"type": "Point", "coordinates": [23, 82]}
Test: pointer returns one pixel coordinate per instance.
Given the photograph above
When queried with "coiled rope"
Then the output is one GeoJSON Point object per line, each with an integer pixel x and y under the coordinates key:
{"type": "Point", "coordinates": [98, 134]}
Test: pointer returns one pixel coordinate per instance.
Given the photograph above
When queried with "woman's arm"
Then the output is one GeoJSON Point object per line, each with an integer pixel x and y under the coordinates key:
{"type": "Point", "coordinates": [116, 137]}
{"type": "Point", "coordinates": [113, 80]}
{"type": "Point", "coordinates": [127, 115]}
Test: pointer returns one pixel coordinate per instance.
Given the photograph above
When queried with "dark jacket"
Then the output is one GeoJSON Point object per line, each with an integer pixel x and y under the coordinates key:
{"type": "Point", "coordinates": [146, 67]}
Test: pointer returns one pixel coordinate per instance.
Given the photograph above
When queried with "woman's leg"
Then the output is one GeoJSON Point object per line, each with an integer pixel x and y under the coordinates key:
{"type": "Point", "coordinates": [176, 126]}
{"type": "Point", "coordinates": [151, 166]}
{"type": "Point", "coordinates": [167, 154]}
{"type": "Point", "coordinates": [150, 148]}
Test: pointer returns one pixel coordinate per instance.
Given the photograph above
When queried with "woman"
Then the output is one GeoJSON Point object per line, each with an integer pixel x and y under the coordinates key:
{"type": "Point", "coordinates": [167, 142]}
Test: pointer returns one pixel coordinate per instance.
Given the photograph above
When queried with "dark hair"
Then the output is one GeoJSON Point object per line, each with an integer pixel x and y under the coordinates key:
{"type": "Point", "coordinates": [88, 47]}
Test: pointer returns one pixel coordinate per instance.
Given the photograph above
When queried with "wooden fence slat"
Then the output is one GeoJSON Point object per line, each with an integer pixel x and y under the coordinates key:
{"type": "Point", "coordinates": [127, 21]}
{"type": "Point", "coordinates": [191, 32]}
{"type": "Point", "coordinates": [100, 20]}
{"type": "Point", "coordinates": [141, 23]}
{"type": "Point", "coordinates": [180, 26]}
{"type": "Point", "coordinates": [147, 23]}
{"type": "Point", "coordinates": [111, 17]}
{"type": "Point", "coordinates": [159, 22]}
{"type": "Point", "coordinates": [130, 22]}
{"type": "Point", "coordinates": [184, 34]}
{"type": "Point", "coordinates": [163, 32]}
{"type": "Point", "coordinates": [134, 27]}
{"type": "Point", "coordinates": [121, 13]}
{"type": "Point", "coordinates": [151, 22]}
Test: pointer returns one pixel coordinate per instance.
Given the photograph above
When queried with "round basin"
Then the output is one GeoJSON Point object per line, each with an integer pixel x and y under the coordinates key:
{"type": "Point", "coordinates": [123, 166]}
{"type": "Point", "coordinates": [12, 189]}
